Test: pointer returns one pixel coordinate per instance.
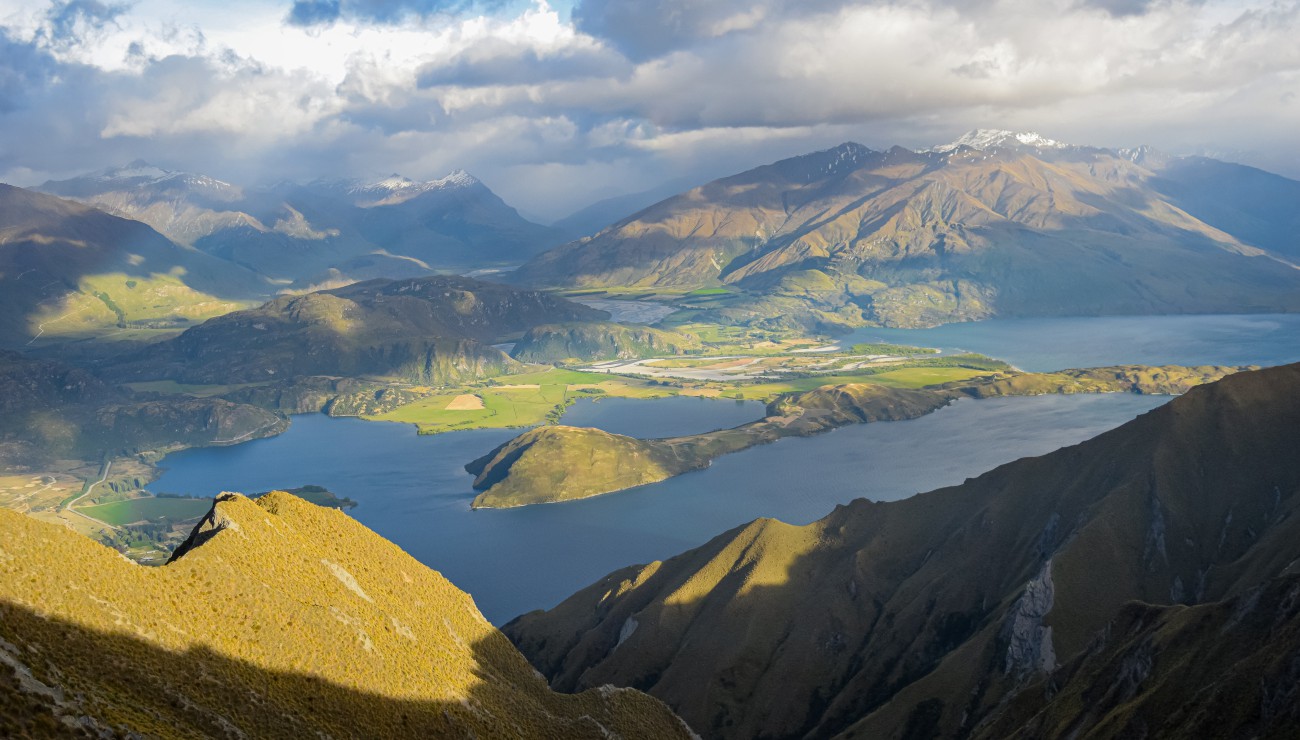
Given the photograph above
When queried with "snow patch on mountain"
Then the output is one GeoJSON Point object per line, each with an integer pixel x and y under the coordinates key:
{"type": "Point", "coordinates": [398, 184]}
{"type": "Point", "coordinates": [990, 138]}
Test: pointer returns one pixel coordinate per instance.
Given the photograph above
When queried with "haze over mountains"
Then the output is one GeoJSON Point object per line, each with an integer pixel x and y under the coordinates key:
{"type": "Point", "coordinates": [994, 224]}
{"type": "Point", "coordinates": [327, 231]}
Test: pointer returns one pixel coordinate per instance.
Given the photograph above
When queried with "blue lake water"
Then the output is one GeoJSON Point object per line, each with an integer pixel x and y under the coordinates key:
{"type": "Point", "coordinates": [414, 491]}
{"type": "Point", "coordinates": [1055, 344]}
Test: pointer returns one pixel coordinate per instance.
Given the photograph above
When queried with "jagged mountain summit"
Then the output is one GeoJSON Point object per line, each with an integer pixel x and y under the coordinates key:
{"type": "Point", "coordinates": [277, 618]}
{"type": "Point", "coordinates": [995, 224]}
{"type": "Point", "coordinates": [1145, 583]}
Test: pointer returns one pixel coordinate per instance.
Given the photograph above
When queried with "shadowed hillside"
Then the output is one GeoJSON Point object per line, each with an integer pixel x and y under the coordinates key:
{"type": "Point", "coordinates": [1001, 606]}
{"type": "Point", "coordinates": [70, 270]}
{"type": "Point", "coordinates": [280, 619]}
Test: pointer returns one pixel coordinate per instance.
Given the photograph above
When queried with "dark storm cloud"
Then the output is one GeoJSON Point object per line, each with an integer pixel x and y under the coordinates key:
{"type": "Point", "coordinates": [307, 13]}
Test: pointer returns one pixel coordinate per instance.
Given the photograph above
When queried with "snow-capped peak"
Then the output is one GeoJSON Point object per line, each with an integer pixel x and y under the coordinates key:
{"type": "Point", "coordinates": [397, 184]}
{"type": "Point", "coordinates": [392, 182]}
{"type": "Point", "coordinates": [456, 179]}
{"type": "Point", "coordinates": [991, 138]}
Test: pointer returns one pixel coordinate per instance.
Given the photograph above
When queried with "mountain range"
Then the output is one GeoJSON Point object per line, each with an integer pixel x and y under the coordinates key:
{"type": "Point", "coordinates": [994, 224]}
{"type": "Point", "coordinates": [1141, 584]}
{"type": "Point", "coordinates": [325, 232]}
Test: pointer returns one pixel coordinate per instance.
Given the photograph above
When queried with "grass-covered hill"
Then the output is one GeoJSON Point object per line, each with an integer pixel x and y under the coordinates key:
{"type": "Point", "coordinates": [278, 619]}
{"type": "Point", "coordinates": [851, 235]}
{"type": "Point", "coordinates": [428, 330]}
{"type": "Point", "coordinates": [70, 271]}
{"type": "Point", "coordinates": [599, 340]}
{"type": "Point", "coordinates": [1140, 584]}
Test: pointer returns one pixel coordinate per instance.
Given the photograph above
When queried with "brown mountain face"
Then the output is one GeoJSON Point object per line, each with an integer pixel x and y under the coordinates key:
{"type": "Point", "coordinates": [851, 235]}
{"type": "Point", "coordinates": [432, 330]}
{"type": "Point", "coordinates": [278, 618]}
{"type": "Point", "coordinates": [68, 268]}
{"type": "Point", "coordinates": [1112, 588]}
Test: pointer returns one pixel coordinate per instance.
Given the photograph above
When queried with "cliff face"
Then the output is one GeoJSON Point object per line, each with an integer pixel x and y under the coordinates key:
{"type": "Point", "coordinates": [278, 618]}
{"type": "Point", "coordinates": [986, 609]}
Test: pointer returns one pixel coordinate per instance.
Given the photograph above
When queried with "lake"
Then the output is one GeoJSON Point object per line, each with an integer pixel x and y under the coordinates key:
{"type": "Point", "coordinates": [414, 491]}
{"type": "Point", "coordinates": [1054, 344]}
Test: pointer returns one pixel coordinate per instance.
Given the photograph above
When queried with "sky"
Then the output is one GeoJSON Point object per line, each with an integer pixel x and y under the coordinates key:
{"type": "Point", "coordinates": [557, 104]}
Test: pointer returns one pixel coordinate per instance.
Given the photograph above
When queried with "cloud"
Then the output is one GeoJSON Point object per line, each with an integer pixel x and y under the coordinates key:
{"type": "Point", "coordinates": [552, 112]}
{"type": "Point", "coordinates": [307, 13]}
{"type": "Point", "coordinates": [501, 63]}
{"type": "Point", "coordinates": [71, 21]}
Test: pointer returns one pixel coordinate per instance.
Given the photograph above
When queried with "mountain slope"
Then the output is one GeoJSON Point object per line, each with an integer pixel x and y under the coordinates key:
{"type": "Point", "coordinates": [1021, 226]}
{"type": "Point", "coordinates": [966, 608]}
{"type": "Point", "coordinates": [429, 330]}
{"type": "Point", "coordinates": [277, 619]}
{"type": "Point", "coordinates": [69, 269]}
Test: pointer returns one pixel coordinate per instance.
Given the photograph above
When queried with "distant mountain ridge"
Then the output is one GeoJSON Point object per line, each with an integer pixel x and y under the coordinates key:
{"type": "Point", "coordinates": [326, 231]}
{"type": "Point", "coordinates": [996, 223]}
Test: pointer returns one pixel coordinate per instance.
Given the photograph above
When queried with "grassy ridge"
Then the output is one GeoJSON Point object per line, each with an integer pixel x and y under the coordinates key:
{"type": "Point", "coordinates": [282, 619]}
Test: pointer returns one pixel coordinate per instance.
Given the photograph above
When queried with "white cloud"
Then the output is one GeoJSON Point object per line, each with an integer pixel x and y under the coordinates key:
{"type": "Point", "coordinates": [549, 111]}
